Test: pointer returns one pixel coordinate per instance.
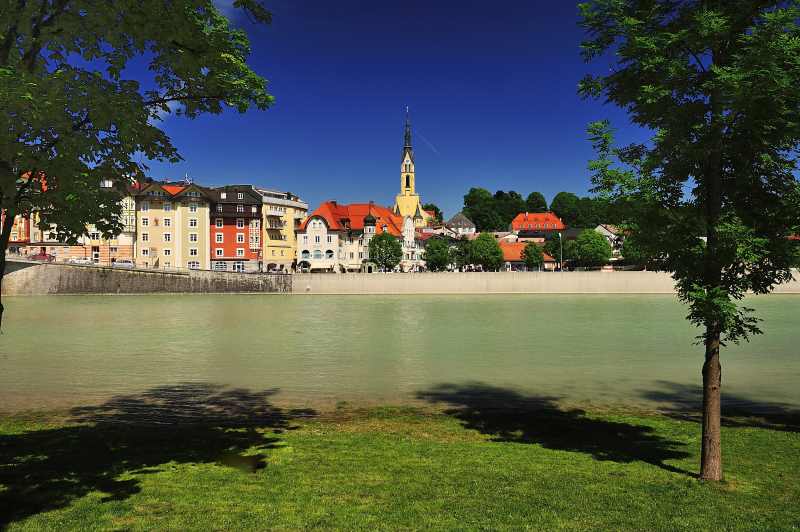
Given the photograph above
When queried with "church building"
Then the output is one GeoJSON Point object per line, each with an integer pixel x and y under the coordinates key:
{"type": "Point", "coordinates": [407, 203]}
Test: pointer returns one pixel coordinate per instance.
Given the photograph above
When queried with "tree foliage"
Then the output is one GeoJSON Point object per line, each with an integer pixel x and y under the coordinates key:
{"type": "Point", "coordinates": [535, 202]}
{"type": "Point", "coordinates": [385, 251]}
{"type": "Point", "coordinates": [532, 256]}
{"type": "Point", "coordinates": [484, 251]}
{"type": "Point", "coordinates": [592, 249]}
{"type": "Point", "coordinates": [565, 205]}
{"type": "Point", "coordinates": [74, 113]}
{"type": "Point", "coordinates": [438, 255]}
{"type": "Point", "coordinates": [716, 80]}
{"type": "Point", "coordinates": [438, 216]}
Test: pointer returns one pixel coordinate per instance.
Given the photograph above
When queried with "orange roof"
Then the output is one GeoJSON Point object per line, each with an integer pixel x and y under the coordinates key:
{"type": "Point", "coordinates": [173, 189]}
{"type": "Point", "coordinates": [351, 216]}
{"type": "Point", "coordinates": [512, 252]}
{"type": "Point", "coordinates": [531, 221]}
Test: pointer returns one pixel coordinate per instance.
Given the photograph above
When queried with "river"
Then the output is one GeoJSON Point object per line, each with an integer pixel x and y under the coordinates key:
{"type": "Point", "coordinates": [316, 351]}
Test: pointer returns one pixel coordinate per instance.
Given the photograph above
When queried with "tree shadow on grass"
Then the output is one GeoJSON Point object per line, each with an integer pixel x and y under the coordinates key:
{"type": "Point", "coordinates": [509, 416]}
{"type": "Point", "coordinates": [685, 402]}
{"type": "Point", "coordinates": [136, 435]}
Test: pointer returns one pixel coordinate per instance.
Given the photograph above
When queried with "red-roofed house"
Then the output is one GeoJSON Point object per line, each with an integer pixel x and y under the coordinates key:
{"type": "Point", "coordinates": [512, 257]}
{"type": "Point", "coordinates": [335, 237]}
{"type": "Point", "coordinates": [537, 222]}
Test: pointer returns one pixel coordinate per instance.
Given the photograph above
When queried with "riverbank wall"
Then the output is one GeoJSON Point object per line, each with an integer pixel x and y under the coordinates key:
{"type": "Point", "coordinates": [28, 278]}
{"type": "Point", "coordinates": [588, 282]}
{"type": "Point", "coordinates": [24, 278]}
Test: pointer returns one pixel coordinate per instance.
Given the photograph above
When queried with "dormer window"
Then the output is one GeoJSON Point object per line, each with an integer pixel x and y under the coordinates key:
{"type": "Point", "coordinates": [223, 195]}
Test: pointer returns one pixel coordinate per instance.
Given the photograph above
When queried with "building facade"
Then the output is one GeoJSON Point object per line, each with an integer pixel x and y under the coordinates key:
{"type": "Point", "coordinates": [236, 238]}
{"type": "Point", "coordinates": [336, 238]}
{"type": "Point", "coordinates": [172, 223]}
{"type": "Point", "coordinates": [282, 216]}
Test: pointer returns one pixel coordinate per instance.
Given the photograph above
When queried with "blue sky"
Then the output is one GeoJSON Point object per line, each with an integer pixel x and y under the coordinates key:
{"type": "Point", "coordinates": [491, 88]}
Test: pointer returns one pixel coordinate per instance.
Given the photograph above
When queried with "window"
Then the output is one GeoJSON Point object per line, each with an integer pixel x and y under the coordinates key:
{"type": "Point", "coordinates": [167, 237]}
{"type": "Point", "coordinates": [193, 265]}
{"type": "Point", "coordinates": [240, 208]}
{"type": "Point", "coordinates": [167, 252]}
{"type": "Point", "coordinates": [167, 206]}
{"type": "Point", "coordinates": [193, 207]}
{"type": "Point", "coordinates": [112, 249]}
{"type": "Point", "coordinates": [330, 239]}
{"type": "Point", "coordinates": [273, 252]}
{"type": "Point", "coordinates": [317, 254]}
{"type": "Point", "coordinates": [305, 239]}
{"type": "Point", "coordinates": [240, 238]}
{"type": "Point", "coordinates": [240, 195]}
{"type": "Point", "coordinates": [223, 195]}
{"type": "Point", "coordinates": [192, 237]}
{"type": "Point", "coordinates": [145, 222]}
{"type": "Point", "coordinates": [329, 254]}
{"type": "Point", "coordinates": [316, 239]}
{"type": "Point", "coordinates": [305, 254]}
{"type": "Point", "coordinates": [220, 266]}
{"type": "Point", "coordinates": [192, 222]}
{"type": "Point", "coordinates": [239, 223]}
{"type": "Point", "coordinates": [238, 266]}
{"type": "Point", "coordinates": [192, 252]}
{"type": "Point", "coordinates": [219, 208]}
{"type": "Point", "coordinates": [240, 252]}
{"type": "Point", "coordinates": [145, 252]}
{"type": "Point", "coordinates": [145, 237]}
{"type": "Point", "coordinates": [144, 206]}
{"type": "Point", "coordinates": [218, 222]}
{"type": "Point", "coordinates": [360, 254]}
{"type": "Point", "coordinates": [94, 235]}
{"type": "Point", "coordinates": [253, 209]}
{"type": "Point", "coordinates": [352, 255]}
{"type": "Point", "coordinates": [219, 252]}
{"type": "Point", "coordinates": [218, 238]}
{"type": "Point", "coordinates": [167, 222]}
{"type": "Point", "coordinates": [281, 253]}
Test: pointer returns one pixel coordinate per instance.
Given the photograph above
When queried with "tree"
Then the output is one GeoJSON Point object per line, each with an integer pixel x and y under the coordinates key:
{"type": "Point", "coordinates": [554, 246]}
{"type": "Point", "coordinates": [632, 251]}
{"type": "Point", "coordinates": [479, 206]}
{"type": "Point", "coordinates": [716, 80]}
{"type": "Point", "coordinates": [486, 252]}
{"type": "Point", "coordinates": [438, 216]}
{"type": "Point", "coordinates": [536, 202]}
{"type": "Point", "coordinates": [508, 205]}
{"type": "Point", "coordinates": [592, 248]}
{"type": "Point", "coordinates": [71, 117]}
{"type": "Point", "coordinates": [532, 256]}
{"type": "Point", "coordinates": [438, 255]}
{"type": "Point", "coordinates": [565, 205]}
{"type": "Point", "coordinates": [385, 251]}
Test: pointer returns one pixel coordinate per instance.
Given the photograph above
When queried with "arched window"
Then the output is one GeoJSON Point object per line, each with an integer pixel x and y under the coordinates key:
{"type": "Point", "coordinates": [305, 254]}
{"type": "Point", "coordinates": [408, 181]}
{"type": "Point", "coordinates": [329, 254]}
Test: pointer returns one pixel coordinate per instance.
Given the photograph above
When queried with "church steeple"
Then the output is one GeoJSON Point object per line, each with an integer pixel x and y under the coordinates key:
{"type": "Point", "coordinates": [407, 186]}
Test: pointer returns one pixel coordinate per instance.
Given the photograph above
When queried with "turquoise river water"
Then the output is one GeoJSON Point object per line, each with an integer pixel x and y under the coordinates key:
{"type": "Point", "coordinates": [316, 351]}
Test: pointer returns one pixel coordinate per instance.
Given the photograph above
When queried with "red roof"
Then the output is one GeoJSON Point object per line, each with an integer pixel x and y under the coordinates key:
{"type": "Point", "coordinates": [512, 252]}
{"type": "Point", "coordinates": [533, 221]}
{"type": "Point", "coordinates": [173, 189]}
{"type": "Point", "coordinates": [351, 216]}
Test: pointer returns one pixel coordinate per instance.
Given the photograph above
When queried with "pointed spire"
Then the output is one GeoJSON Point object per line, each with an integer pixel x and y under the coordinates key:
{"type": "Point", "coordinates": [407, 130]}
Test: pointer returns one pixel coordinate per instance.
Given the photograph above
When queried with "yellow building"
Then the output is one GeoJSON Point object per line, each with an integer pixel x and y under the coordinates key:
{"type": "Point", "coordinates": [172, 226]}
{"type": "Point", "coordinates": [282, 213]}
{"type": "Point", "coordinates": [408, 203]}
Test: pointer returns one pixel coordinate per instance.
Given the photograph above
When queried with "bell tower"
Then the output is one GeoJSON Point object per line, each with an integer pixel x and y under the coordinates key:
{"type": "Point", "coordinates": [407, 187]}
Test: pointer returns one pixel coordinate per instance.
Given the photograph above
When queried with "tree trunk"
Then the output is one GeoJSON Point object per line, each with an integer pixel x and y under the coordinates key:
{"type": "Point", "coordinates": [5, 235]}
{"type": "Point", "coordinates": [711, 454]}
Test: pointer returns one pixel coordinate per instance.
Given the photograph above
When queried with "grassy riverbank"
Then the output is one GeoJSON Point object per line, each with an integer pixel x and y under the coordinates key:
{"type": "Point", "coordinates": [481, 465]}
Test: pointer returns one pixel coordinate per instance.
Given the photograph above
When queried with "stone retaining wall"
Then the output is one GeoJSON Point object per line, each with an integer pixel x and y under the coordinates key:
{"type": "Point", "coordinates": [40, 279]}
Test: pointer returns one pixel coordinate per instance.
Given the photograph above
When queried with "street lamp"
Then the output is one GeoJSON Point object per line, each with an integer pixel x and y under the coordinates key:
{"type": "Point", "coordinates": [560, 252]}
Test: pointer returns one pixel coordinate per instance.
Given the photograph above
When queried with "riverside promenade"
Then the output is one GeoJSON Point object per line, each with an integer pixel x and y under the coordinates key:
{"type": "Point", "coordinates": [29, 278]}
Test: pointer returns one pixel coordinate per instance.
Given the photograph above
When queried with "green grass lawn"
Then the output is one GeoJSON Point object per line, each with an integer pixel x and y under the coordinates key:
{"type": "Point", "coordinates": [487, 461]}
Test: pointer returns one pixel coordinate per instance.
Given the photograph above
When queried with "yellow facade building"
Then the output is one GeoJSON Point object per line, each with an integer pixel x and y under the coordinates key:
{"type": "Point", "coordinates": [282, 213]}
{"type": "Point", "coordinates": [407, 203]}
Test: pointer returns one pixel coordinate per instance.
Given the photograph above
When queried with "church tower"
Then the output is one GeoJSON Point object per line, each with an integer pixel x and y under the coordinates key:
{"type": "Point", "coordinates": [407, 202]}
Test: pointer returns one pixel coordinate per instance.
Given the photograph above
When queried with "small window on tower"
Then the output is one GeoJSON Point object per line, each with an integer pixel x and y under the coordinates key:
{"type": "Point", "coordinates": [408, 181]}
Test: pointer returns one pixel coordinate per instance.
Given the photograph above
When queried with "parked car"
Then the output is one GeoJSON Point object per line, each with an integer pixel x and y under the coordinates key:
{"type": "Point", "coordinates": [81, 260]}
{"type": "Point", "coordinates": [126, 264]}
{"type": "Point", "coordinates": [43, 257]}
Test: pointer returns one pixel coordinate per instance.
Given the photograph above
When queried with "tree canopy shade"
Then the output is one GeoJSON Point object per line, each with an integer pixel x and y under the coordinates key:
{"type": "Point", "coordinates": [485, 252]}
{"type": "Point", "coordinates": [592, 249]}
{"type": "Point", "coordinates": [385, 251]}
{"type": "Point", "coordinates": [532, 256]}
{"type": "Point", "coordinates": [565, 205]}
{"type": "Point", "coordinates": [71, 116]}
{"type": "Point", "coordinates": [717, 82]}
{"type": "Point", "coordinates": [438, 255]}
